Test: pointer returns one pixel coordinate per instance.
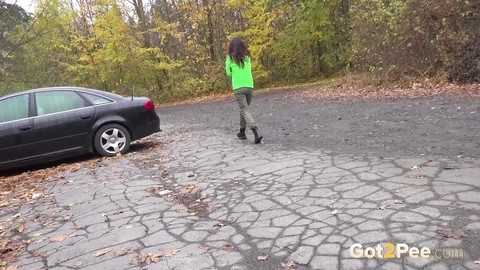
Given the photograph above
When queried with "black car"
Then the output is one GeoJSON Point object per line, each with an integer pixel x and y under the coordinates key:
{"type": "Point", "coordinates": [47, 124]}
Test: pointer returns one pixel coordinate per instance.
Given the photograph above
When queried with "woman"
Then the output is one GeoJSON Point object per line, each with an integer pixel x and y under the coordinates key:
{"type": "Point", "coordinates": [238, 66]}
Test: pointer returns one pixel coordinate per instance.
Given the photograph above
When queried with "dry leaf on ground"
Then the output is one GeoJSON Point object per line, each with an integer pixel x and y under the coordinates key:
{"type": "Point", "coordinates": [122, 251]}
{"type": "Point", "coordinates": [477, 261]}
{"type": "Point", "coordinates": [263, 258]}
{"type": "Point", "coordinates": [21, 228]}
{"type": "Point", "coordinates": [58, 238]}
{"type": "Point", "coordinates": [147, 258]}
{"type": "Point", "coordinates": [102, 252]}
{"type": "Point", "coordinates": [9, 249]}
{"type": "Point", "coordinates": [290, 265]}
{"type": "Point", "coordinates": [172, 253]}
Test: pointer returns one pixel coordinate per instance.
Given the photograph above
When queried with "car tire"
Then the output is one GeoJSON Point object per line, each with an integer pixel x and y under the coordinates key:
{"type": "Point", "coordinates": [111, 140]}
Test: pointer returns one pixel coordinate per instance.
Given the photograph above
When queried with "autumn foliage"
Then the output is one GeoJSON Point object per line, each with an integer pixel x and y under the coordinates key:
{"type": "Point", "coordinates": [175, 50]}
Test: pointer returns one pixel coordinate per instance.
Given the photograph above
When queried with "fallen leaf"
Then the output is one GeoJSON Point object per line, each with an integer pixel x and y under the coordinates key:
{"type": "Point", "coordinates": [190, 186]}
{"type": "Point", "coordinates": [290, 265]}
{"type": "Point", "coordinates": [477, 261]}
{"type": "Point", "coordinates": [67, 218]}
{"type": "Point", "coordinates": [398, 201]}
{"type": "Point", "coordinates": [172, 253]}
{"type": "Point", "coordinates": [263, 258]}
{"type": "Point", "coordinates": [415, 168]}
{"type": "Point", "coordinates": [146, 258]}
{"type": "Point", "coordinates": [153, 258]}
{"type": "Point", "coordinates": [21, 228]}
{"type": "Point", "coordinates": [122, 251]}
{"type": "Point", "coordinates": [58, 238]}
{"type": "Point", "coordinates": [219, 225]}
{"type": "Point", "coordinates": [450, 233]}
{"type": "Point", "coordinates": [228, 247]}
{"type": "Point", "coordinates": [102, 252]}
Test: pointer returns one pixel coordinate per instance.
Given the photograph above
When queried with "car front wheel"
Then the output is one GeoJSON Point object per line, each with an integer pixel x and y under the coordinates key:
{"type": "Point", "coordinates": [111, 140]}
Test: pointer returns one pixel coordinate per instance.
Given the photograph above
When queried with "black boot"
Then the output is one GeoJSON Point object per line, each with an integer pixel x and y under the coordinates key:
{"type": "Point", "coordinates": [258, 137]}
{"type": "Point", "coordinates": [241, 135]}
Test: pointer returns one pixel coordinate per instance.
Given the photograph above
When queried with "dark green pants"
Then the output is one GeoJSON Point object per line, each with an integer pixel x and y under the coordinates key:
{"type": "Point", "coordinates": [244, 97]}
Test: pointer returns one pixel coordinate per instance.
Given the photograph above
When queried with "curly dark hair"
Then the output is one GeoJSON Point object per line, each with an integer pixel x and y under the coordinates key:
{"type": "Point", "coordinates": [237, 50]}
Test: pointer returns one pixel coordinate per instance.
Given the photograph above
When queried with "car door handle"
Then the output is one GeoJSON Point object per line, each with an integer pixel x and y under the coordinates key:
{"type": "Point", "coordinates": [26, 127]}
{"type": "Point", "coordinates": [86, 116]}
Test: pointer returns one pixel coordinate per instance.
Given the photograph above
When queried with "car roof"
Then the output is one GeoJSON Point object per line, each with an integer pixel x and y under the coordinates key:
{"type": "Point", "coordinates": [71, 88]}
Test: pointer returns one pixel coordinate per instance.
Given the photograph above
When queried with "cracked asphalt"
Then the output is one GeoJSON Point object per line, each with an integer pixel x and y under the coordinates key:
{"type": "Point", "coordinates": [330, 174]}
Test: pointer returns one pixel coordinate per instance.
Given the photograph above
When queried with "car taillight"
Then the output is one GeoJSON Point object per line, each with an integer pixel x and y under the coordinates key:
{"type": "Point", "coordinates": [149, 106]}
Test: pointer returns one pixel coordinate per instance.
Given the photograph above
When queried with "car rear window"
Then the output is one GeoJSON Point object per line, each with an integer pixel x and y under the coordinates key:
{"type": "Point", "coordinates": [96, 100]}
{"type": "Point", "coordinates": [58, 101]}
{"type": "Point", "coordinates": [14, 108]}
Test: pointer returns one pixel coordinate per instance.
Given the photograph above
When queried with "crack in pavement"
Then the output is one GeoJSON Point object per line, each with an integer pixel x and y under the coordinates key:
{"type": "Point", "coordinates": [270, 200]}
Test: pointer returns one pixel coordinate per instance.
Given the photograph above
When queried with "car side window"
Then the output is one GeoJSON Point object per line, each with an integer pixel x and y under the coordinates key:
{"type": "Point", "coordinates": [14, 108]}
{"type": "Point", "coordinates": [96, 100]}
{"type": "Point", "coordinates": [58, 101]}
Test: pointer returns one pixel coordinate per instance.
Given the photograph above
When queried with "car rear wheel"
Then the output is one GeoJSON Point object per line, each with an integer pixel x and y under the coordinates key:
{"type": "Point", "coordinates": [112, 139]}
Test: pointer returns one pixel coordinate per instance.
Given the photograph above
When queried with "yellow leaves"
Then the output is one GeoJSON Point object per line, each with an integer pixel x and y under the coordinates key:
{"type": "Point", "coordinates": [236, 3]}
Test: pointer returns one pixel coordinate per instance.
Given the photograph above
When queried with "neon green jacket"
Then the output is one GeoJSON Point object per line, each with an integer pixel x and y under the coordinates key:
{"type": "Point", "coordinates": [241, 77]}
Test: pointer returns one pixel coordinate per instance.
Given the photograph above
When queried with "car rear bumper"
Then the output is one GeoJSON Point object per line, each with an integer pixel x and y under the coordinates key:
{"type": "Point", "coordinates": [147, 129]}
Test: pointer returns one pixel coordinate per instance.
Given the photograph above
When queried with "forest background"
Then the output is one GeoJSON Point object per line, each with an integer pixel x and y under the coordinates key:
{"type": "Point", "coordinates": [175, 49]}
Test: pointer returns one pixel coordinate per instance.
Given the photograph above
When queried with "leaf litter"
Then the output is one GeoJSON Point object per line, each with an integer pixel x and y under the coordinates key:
{"type": "Point", "coordinates": [146, 258]}
{"type": "Point", "coordinates": [172, 253]}
{"type": "Point", "coordinates": [19, 187]}
{"type": "Point", "coordinates": [122, 251]}
{"type": "Point", "coordinates": [290, 265]}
